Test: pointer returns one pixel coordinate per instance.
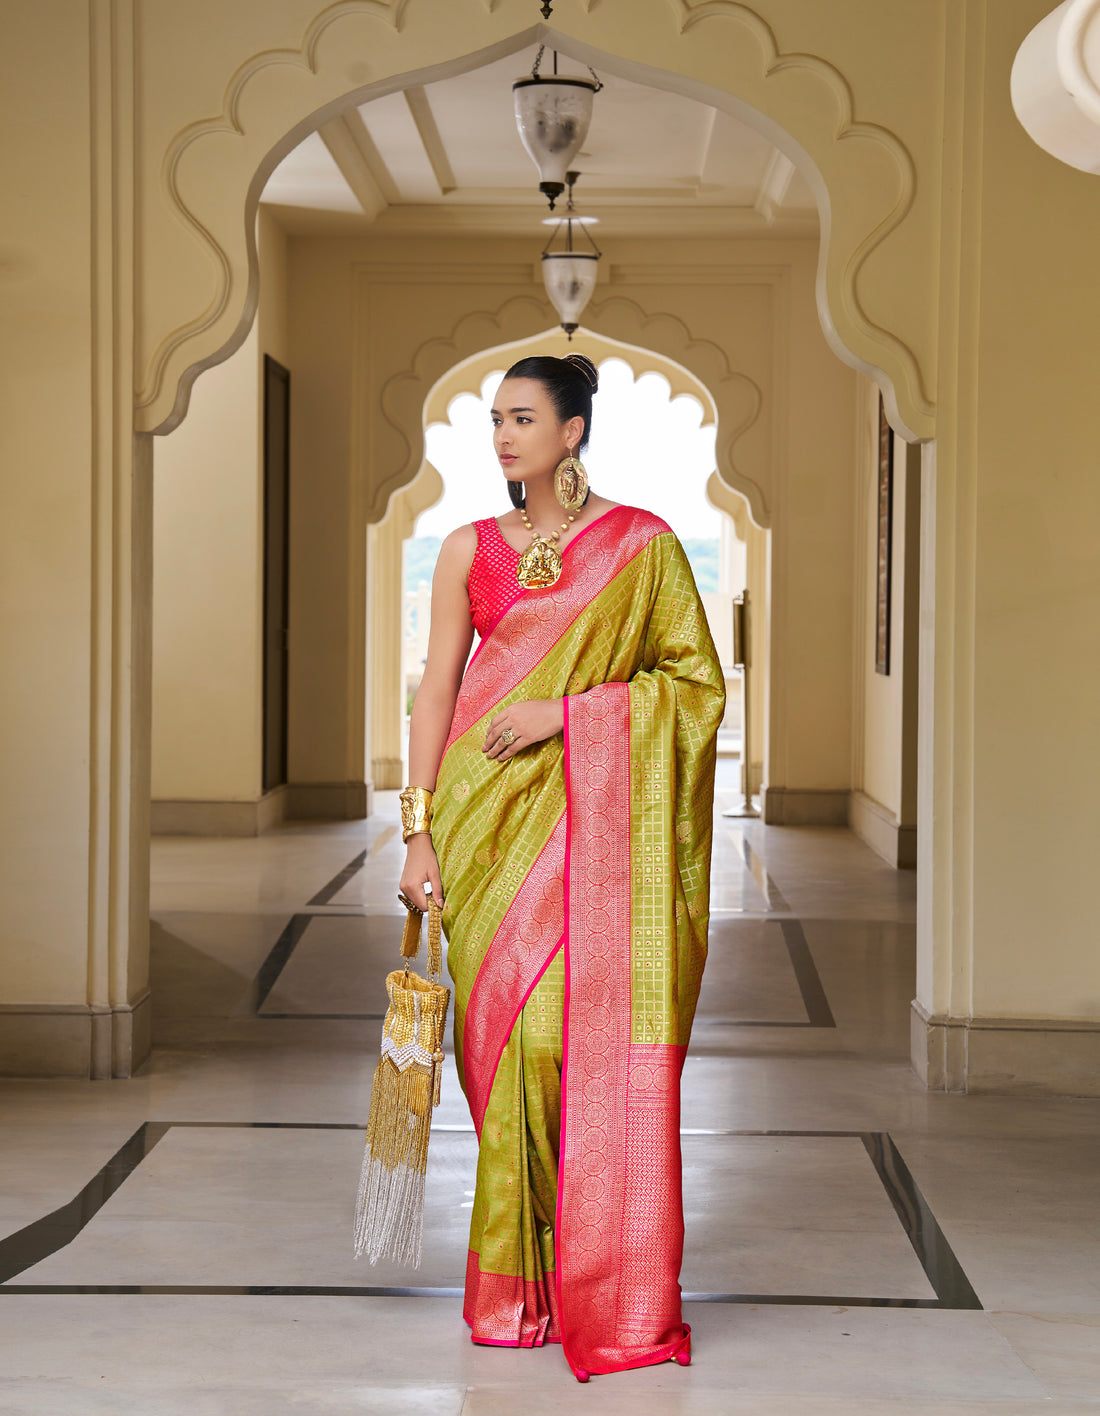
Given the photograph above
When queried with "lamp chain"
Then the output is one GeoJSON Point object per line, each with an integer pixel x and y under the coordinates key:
{"type": "Point", "coordinates": [538, 61]}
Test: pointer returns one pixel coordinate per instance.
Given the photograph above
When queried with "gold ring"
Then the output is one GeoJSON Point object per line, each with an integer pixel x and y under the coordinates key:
{"type": "Point", "coordinates": [507, 737]}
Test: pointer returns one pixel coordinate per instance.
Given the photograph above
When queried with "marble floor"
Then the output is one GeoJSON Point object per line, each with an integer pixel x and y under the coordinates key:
{"type": "Point", "coordinates": [180, 1242]}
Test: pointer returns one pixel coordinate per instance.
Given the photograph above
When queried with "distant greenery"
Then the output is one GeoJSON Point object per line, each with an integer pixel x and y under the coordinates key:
{"type": "Point", "coordinates": [421, 553]}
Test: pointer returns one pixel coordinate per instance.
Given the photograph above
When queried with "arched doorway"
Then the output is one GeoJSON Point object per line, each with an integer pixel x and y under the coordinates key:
{"type": "Point", "coordinates": [384, 451]}
{"type": "Point", "coordinates": [862, 173]}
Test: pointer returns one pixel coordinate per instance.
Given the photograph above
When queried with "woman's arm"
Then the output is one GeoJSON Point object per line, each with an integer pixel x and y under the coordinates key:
{"type": "Point", "coordinates": [433, 708]}
{"type": "Point", "coordinates": [448, 649]}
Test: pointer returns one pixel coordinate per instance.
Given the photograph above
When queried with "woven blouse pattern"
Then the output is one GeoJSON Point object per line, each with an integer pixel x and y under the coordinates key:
{"type": "Point", "coordinates": [492, 583]}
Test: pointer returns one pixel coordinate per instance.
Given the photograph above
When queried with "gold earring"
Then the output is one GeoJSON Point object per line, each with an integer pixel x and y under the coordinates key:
{"type": "Point", "coordinates": [570, 483]}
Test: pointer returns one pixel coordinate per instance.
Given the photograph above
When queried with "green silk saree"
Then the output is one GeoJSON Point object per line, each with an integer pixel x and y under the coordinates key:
{"type": "Point", "coordinates": [576, 881]}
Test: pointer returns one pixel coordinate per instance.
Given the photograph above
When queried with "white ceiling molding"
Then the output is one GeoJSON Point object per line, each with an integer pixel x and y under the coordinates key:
{"type": "Point", "coordinates": [705, 146]}
{"type": "Point", "coordinates": [343, 137]}
{"type": "Point", "coordinates": [373, 158]}
{"type": "Point", "coordinates": [775, 186]}
{"type": "Point", "coordinates": [422, 115]}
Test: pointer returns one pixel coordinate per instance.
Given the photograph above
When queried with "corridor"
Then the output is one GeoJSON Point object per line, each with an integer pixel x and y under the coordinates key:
{"type": "Point", "coordinates": [181, 1241]}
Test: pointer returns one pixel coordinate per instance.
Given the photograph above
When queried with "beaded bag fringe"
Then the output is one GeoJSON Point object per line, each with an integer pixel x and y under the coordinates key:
{"type": "Point", "coordinates": [389, 1209]}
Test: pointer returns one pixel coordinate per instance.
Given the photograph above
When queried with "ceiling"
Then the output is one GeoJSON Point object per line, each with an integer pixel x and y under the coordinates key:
{"type": "Point", "coordinates": [447, 157]}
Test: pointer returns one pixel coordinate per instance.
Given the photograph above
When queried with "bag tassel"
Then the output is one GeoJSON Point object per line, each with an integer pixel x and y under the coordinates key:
{"type": "Point", "coordinates": [389, 1210]}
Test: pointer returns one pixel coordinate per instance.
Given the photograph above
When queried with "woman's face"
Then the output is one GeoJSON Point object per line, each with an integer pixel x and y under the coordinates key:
{"type": "Point", "coordinates": [528, 438]}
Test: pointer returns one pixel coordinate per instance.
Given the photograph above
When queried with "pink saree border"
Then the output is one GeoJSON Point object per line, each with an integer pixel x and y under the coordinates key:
{"type": "Point", "coordinates": [527, 940]}
{"type": "Point", "coordinates": [530, 627]}
{"type": "Point", "coordinates": [497, 1306]}
{"type": "Point", "coordinates": [619, 1223]}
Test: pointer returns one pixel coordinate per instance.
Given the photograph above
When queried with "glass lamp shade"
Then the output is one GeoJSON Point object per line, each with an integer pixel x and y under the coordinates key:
{"type": "Point", "coordinates": [570, 278]}
{"type": "Point", "coordinates": [553, 115]}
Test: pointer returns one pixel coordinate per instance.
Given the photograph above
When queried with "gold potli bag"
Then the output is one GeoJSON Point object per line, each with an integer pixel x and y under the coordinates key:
{"type": "Point", "coordinates": [389, 1211]}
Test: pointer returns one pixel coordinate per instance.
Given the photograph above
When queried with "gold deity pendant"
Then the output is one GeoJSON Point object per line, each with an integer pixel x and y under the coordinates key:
{"type": "Point", "coordinates": [539, 566]}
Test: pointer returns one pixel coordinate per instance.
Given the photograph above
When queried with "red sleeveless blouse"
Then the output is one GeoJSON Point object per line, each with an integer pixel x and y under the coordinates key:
{"type": "Point", "coordinates": [492, 584]}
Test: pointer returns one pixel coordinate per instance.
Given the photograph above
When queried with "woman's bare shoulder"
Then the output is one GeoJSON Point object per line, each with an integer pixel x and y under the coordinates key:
{"type": "Point", "coordinates": [462, 538]}
{"type": "Point", "coordinates": [456, 552]}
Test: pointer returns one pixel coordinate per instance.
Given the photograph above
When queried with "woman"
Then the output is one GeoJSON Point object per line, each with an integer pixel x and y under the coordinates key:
{"type": "Point", "coordinates": [569, 768]}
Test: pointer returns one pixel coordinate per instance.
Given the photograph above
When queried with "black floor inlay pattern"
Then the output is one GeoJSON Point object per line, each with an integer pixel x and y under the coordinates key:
{"type": "Point", "coordinates": [37, 1241]}
{"type": "Point", "coordinates": [277, 960]}
{"type": "Point", "coordinates": [818, 1012]}
{"type": "Point", "coordinates": [339, 880]}
{"type": "Point", "coordinates": [816, 1004]}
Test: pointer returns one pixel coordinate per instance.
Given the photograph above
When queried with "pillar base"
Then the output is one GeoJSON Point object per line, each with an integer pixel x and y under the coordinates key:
{"type": "Point", "coordinates": [805, 806]}
{"type": "Point", "coordinates": [1020, 1056]}
{"type": "Point", "coordinates": [329, 801]}
{"type": "Point", "coordinates": [75, 1040]}
{"type": "Point", "coordinates": [882, 831]}
{"type": "Point", "coordinates": [219, 818]}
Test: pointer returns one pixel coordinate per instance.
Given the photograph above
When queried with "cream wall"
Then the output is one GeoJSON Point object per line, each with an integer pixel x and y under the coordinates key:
{"type": "Point", "coordinates": [272, 312]}
{"type": "Point", "coordinates": [206, 568]}
{"type": "Point", "coordinates": [882, 693]}
{"type": "Point", "coordinates": [883, 806]}
{"type": "Point", "coordinates": [808, 765]}
{"type": "Point", "coordinates": [73, 785]}
{"type": "Point", "coordinates": [1036, 541]}
{"type": "Point", "coordinates": [208, 581]}
{"type": "Point", "coordinates": [46, 563]}
{"type": "Point", "coordinates": [327, 735]}
{"type": "Point", "coordinates": [1008, 978]}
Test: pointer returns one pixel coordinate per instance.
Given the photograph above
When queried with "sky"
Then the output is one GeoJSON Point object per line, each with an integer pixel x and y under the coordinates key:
{"type": "Point", "coordinates": [646, 449]}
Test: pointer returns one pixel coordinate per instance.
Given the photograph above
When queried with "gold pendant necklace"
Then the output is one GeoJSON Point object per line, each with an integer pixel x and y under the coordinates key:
{"type": "Point", "coordinates": [540, 564]}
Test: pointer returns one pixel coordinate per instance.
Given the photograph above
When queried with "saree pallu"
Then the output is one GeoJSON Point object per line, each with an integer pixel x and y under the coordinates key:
{"type": "Point", "coordinates": [576, 882]}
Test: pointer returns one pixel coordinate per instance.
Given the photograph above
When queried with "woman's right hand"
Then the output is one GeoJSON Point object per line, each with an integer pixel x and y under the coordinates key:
{"type": "Point", "coordinates": [421, 865]}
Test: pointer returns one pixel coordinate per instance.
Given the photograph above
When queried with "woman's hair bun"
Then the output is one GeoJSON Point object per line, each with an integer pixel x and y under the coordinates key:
{"type": "Point", "coordinates": [587, 368]}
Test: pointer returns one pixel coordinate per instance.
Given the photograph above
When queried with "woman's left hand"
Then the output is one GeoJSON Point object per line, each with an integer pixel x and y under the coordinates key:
{"type": "Point", "coordinates": [529, 721]}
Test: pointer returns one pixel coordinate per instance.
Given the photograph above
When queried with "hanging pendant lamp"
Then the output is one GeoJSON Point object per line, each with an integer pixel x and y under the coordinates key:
{"type": "Point", "coordinates": [570, 274]}
{"type": "Point", "coordinates": [553, 114]}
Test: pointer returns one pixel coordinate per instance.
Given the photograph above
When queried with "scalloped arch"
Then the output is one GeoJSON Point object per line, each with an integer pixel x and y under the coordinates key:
{"type": "Point", "coordinates": [862, 175]}
{"type": "Point", "coordinates": [737, 398]}
{"type": "Point", "coordinates": [838, 290]}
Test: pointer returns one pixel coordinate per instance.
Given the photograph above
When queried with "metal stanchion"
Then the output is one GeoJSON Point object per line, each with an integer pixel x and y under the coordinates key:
{"type": "Point", "coordinates": [741, 661]}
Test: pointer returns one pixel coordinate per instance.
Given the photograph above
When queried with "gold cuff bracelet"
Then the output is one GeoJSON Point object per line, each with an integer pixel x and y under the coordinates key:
{"type": "Point", "coordinates": [416, 811]}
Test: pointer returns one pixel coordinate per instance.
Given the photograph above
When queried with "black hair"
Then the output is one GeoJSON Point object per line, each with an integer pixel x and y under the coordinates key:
{"type": "Point", "coordinates": [570, 383]}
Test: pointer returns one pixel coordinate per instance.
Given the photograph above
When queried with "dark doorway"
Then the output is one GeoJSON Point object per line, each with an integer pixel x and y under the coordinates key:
{"type": "Point", "coordinates": [276, 568]}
